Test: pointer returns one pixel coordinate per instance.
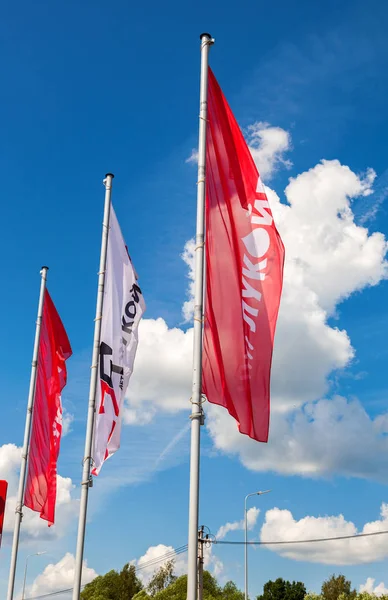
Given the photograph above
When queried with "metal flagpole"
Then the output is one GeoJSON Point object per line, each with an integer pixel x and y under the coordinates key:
{"type": "Point", "coordinates": [196, 398]}
{"type": "Point", "coordinates": [86, 476]}
{"type": "Point", "coordinates": [27, 435]}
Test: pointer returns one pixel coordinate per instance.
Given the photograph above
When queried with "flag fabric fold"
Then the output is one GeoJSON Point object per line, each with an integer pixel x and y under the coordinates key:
{"type": "Point", "coordinates": [123, 308]}
{"type": "Point", "coordinates": [54, 350]}
{"type": "Point", "coordinates": [3, 500]}
{"type": "Point", "coordinates": [244, 273]}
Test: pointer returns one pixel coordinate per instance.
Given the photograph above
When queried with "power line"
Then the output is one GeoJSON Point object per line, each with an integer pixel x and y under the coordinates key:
{"type": "Point", "coordinates": [183, 549]}
{"type": "Point", "coordinates": [150, 563]}
{"type": "Point", "coordinates": [310, 541]}
{"type": "Point", "coordinates": [171, 554]}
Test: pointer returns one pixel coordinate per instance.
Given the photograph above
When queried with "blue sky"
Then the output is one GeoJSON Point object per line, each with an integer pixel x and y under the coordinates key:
{"type": "Point", "coordinates": [90, 88]}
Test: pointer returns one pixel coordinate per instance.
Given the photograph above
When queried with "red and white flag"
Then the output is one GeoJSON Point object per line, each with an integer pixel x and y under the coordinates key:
{"type": "Point", "coordinates": [54, 349]}
{"type": "Point", "coordinates": [244, 274]}
{"type": "Point", "coordinates": [122, 310]}
{"type": "Point", "coordinates": [3, 500]}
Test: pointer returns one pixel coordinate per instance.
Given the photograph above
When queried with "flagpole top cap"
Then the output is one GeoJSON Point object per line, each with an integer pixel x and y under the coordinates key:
{"type": "Point", "coordinates": [44, 268]}
{"type": "Point", "coordinates": [109, 175]}
{"type": "Point", "coordinates": [205, 35]}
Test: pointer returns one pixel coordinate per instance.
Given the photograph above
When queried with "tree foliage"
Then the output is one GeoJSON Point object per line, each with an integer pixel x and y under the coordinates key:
{"type": "Point", "coordinates": [338, 586]}
{"type": "Point", "coordinates": [283, 590]}
{"type": "Point", "coordinates": [113, 586]}
{"type": "Point", "coordinates": [162, 578]}
{"type": "Point", "coordinates": [165, 585]}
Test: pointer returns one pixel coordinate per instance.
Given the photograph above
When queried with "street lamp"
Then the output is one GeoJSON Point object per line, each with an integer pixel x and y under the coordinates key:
{"type": "Point", "coordinates": [246, 537]}
{"type": "Point", "coordinates": [25, 570]}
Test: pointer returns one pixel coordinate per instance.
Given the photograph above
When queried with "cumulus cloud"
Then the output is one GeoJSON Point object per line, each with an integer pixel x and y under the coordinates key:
{"type": "Point", "coordinates": [252, 516]}
{"type": "Point", "coordinates": [321, 438]}
{"type": "Point", "coordinates": [162, 375]}
{"type": "Point", "coordinates": [280, 525]}
{"type": "Point", "coordinates": [268, 146]}
{"type": "Point", "coordinates": [33, 527]}
{"type": "Point", "coordinates": [329, 256]}
{"type": "Point", "coordinates": [193, 158]}
{"type": "Point", "coordinates": [188, 256]}
{"type": "Point", "coordinates": [67, 419]}
{"type": "Point", "coordinates": [155, 558]}
{"type": "Point", "coordinates": [370, 588]}
{"type": "Point", "coordinates": [60, 576]}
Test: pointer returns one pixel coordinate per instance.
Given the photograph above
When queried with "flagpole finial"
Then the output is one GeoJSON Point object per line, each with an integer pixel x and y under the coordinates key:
{"type": "Point", "coordinates": [109, 175]}
{"type": "Point", "coordinates": [205, 35]}
{"type": "Point", "coordinates": [44, 267]}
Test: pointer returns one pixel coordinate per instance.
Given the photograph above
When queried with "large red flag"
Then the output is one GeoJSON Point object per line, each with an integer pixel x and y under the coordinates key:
{"type": "Point", "coordinates": [54, 350]}
{"type": "Point", "coordinates": [244, 273]}
{"type": "Point", "coordinates": [3, 500]}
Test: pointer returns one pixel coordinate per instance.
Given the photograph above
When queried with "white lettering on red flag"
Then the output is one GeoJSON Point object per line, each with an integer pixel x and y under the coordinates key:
{"type": "Point", "coordinates": [244, 274]}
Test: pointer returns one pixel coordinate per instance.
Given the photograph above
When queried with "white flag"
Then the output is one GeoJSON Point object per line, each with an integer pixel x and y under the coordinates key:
{"type": "Point", "coordinates": [122, 311]}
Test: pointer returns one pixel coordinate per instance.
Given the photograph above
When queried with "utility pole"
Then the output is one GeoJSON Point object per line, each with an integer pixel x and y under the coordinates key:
{"type": "Point", "coordinates": [201, 541]}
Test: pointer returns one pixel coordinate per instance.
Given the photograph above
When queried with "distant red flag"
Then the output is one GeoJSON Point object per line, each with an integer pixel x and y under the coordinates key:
{"type": "Point", "coordinates": [244, 273]}
{"type": "Point", "coordinates": [3, 500]}
{"type": "Point", "coordinates": [54, 350]}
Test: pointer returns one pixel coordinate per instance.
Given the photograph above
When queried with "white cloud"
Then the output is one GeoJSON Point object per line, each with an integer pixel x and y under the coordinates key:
{"type": "Point", "coordinates": [162, 374]}
{"type": "Point", "coordinates": [193, 158]}
{"type": "Point", "coordinates": [268, 146]}
{"type": "Point", "coordinates": [252, 516]}
{"type": "Point", "coordinates": [33, 527]}
{"type": "Point", "coordinates": [67, 419]}
{"type": "Point", "coordinates": [370, 588]}
{"type": "Point", "coordinates": [155, 558]}
{"type": "Point", "coordinates": [60, 576]}
{"type": "Point", "coordinates": [280, 525]}
{"type": "Point", "coordinates": [321, 438]}
{"type": "Point", "coordinates": [188, 257]}
{"type": "Point", "coordinates": [212, 563]}
{"type": "Point", "coordinates": [328, 257]}
{"type": "Point", "coordinates": [334, 256]}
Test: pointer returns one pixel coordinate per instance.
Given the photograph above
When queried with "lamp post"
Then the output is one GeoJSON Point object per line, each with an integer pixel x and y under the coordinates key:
{"type": "Point", "coordinates": [246, 536]}
{"type": "Point", "coordinates": [25, 570]}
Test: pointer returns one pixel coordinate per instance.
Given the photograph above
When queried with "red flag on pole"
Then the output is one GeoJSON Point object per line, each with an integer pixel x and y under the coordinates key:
{"type": "Point", "coordinates": [244, 274]}
{"type": "Point", "coordinates": [3, 500]}
{"type": "Point", "coordinates": [54, 350]}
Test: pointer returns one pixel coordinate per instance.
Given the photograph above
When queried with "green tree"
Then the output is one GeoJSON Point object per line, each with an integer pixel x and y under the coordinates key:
{"type": "Point", "coordinates": [211, 589]}
{"type": "Point", "coordinates": [113, 586]}
{"type": "Point", "coordinates": [130, 584]}
{"type": "Point", "coordinates": [104, 587]}
{"type": "Point", "coordinates": [177, 590]}
{"type": "Point", "coordinates": [312, 596]}
{"type": "Point", "coordinates": [295, 590]}
{"type": "Point", "coordinates": [230, 591]}
{"type": "Point", "coordinates": [338, 586]}
{"type": "Point", "coordinates": [162, 578]}
{"type": "Point", "coordinates": [283, 590]}
{"type": "Point", "coordinates": [273, 590]}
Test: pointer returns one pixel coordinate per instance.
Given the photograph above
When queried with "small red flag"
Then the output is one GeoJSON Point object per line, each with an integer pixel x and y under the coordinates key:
{"type": "Point", "coordinates": [54, 350]}
{"type": "Point", "coordinates": [3, 500]}
{"type": "Point", "coordinates": [244, 274]}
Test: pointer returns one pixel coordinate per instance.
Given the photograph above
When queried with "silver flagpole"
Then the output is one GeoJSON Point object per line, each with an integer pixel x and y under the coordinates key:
{"type": "Point", "coordinates": [27, 436]}
{"type": "Point", "coordinates": [196, 398]}
{"type": "Point", "coordinates": [86, 476]}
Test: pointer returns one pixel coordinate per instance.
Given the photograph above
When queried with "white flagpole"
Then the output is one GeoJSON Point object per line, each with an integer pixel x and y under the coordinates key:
{"type": "Point", "coordinates": [86, 476]}
{"type": "Point", "coordinates": [196, 398]}
{"type": "Point", "coordinates": [27, 436]}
